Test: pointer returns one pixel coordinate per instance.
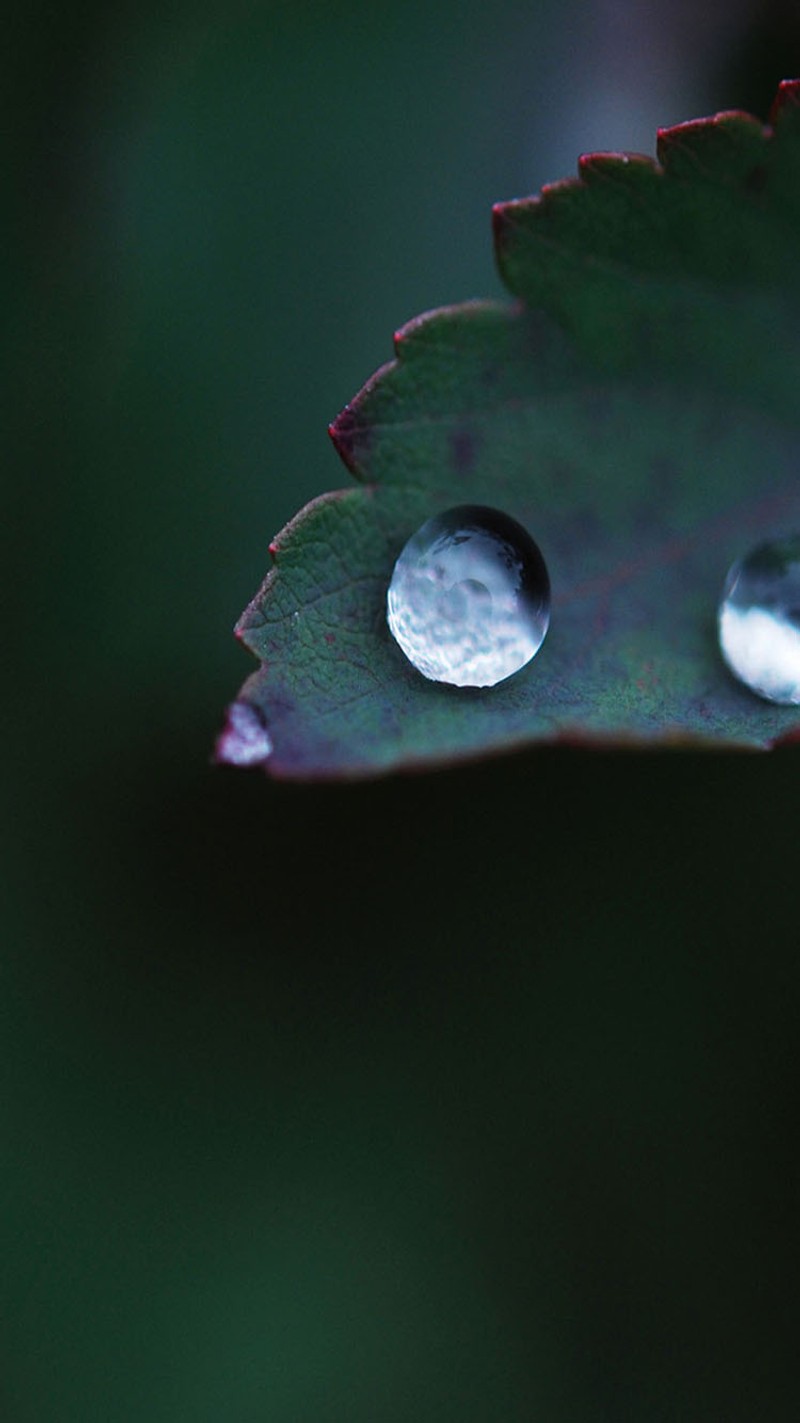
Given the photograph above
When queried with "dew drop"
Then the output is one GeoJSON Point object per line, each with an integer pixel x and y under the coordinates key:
{"type": "Point", "coordinates": [469, 599]}
{"type": "Point", "coordinates": [759, 620]}
{"type": "Point", "coordinates": [245, 740]}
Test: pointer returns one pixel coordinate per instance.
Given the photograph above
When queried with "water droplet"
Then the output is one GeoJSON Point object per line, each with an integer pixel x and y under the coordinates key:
{"type": "Point", "coordinates": [759, 621]}
{"type": "Point", "coordinates": [245, 740]}
{"type": "Point", "coordinates": [469, 600]}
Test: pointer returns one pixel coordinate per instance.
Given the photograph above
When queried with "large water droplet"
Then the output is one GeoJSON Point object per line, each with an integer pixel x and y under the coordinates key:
{"type": "Point", "coordinates": [469, 600]}
{"type": "Point", "coordinates": [759, 620]}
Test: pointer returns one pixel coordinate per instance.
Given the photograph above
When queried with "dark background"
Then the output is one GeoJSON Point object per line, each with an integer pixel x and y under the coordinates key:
{"type": "Point", "coordinates": [461, 1096]}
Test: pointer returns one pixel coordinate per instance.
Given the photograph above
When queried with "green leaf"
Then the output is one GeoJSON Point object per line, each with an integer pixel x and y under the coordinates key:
{"type": "Point", "coordinates": [636, 408]}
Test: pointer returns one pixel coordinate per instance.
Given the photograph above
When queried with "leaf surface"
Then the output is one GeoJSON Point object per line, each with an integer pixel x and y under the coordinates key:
{"type": "Point", "coordinates": [635, 407]}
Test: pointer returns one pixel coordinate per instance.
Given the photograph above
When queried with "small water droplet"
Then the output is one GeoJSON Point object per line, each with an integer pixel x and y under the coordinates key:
{"type": "Point", "coordinates": [245, 740]}
{"type": "Point", "coordinates": [759, 632]}
{"type": "Point", "coordinates": [469, 599]}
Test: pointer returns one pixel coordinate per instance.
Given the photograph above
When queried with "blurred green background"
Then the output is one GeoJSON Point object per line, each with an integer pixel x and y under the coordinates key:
{"type": "Point", "coordinates": [469, 1096]}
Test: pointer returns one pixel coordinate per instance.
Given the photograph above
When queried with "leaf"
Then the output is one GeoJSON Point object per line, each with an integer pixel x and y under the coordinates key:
{"type": "Point", "coordinates": [636, 408]}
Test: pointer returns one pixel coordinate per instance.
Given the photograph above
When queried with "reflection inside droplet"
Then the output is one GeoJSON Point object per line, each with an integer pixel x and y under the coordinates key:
{"type": "Point", "coordinates": [244, 740]}
{"type": "Point", "coordinates": [469, 599]}
{"type": "Point", "coordinates": [759, 621]}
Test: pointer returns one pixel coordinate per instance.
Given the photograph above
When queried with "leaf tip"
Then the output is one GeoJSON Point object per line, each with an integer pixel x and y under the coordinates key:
{"type": "Point", "coordinates": [786, 99]}
{"type": "Point", "coordinates": [343, 431]}
{"type": "Point", "coordinates": [605, 163]}
{"type": "Point", "coordinates": [501, 221]}
{"type": "Point", "coordinates": [504, 221]}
